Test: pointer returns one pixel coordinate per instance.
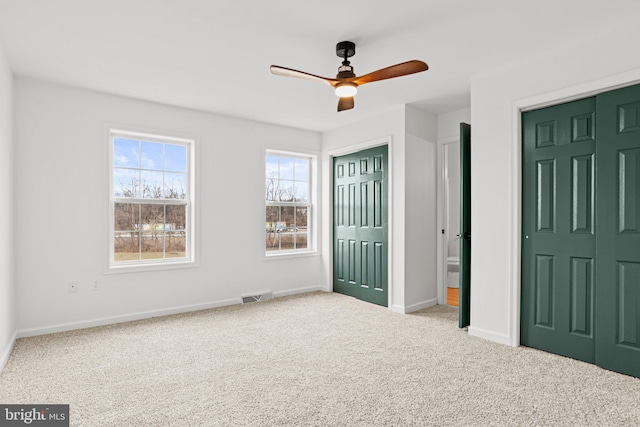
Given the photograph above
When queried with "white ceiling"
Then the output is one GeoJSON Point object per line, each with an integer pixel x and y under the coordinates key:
{"type": "Point", "coordinates": [214, 55]}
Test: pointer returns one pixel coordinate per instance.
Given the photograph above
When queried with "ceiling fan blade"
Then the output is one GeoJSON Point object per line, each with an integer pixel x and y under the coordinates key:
{"type": "Point", "coordinates": [346, 103]}
{"type": "Point", "coordinates": [289, 72]}
{"type": "Point", "coordinates": [398, 70]}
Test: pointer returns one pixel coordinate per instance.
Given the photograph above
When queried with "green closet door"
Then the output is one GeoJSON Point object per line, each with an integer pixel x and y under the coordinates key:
{"type": "Point", "coordinates": [581, 230]}
{"type": "Point", "coordinates": [618, 223]}
{"type": "Point", "coordinates": [558, 230]}
{"type": "Point", "coordinates": [360, 246]}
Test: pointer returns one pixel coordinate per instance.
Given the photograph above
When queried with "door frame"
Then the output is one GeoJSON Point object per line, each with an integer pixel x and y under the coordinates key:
{"type": "Point", "coordinates": [443, 219]}
{"type": "Point", "coordinates": [328, 209]}
{"type": "Point", "coordinates": [519, 106]}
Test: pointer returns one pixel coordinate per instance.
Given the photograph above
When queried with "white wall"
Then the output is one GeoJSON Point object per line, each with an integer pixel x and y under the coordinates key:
{"type": "Point", "coordinates": [61, 172]}
{"type": "Point", "coordinates": [412, 136]}
{"type": "Point", "coordinates": [421, 226]}
{"type": "Point", "coordinates": [7, 284]}
{"type": "Point", "coordinates": [449, 124]}
{"type": "Point", "coordinates": [565, 72]}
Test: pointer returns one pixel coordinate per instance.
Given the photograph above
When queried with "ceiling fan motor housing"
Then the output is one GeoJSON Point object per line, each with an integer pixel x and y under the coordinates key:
{"type": "Point", "coordinates": [345, 49]}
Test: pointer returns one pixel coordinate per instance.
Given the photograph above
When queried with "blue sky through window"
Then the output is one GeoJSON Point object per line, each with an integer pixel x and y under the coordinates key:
{"type": "Point", "coordinates": [287, 178]}
{"type": "Point", "coordinates": [272, 167]}
{"type": "Point", "coordinates": [145, 169]}
{"type": "Point", "coordinates": [175, 159]}
{"type": "Point", "coordinates": [126, 153]}
{"type": "Point", "coordinates": [151, 155]}
{"type": "Point", "coordinates": [301, 170]}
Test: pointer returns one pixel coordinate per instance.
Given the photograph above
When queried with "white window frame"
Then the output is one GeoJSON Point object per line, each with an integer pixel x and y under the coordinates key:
{"type": "Point", "coordinates": [311, 205]}
{"type": "Point", "coordinates": [160, 263]}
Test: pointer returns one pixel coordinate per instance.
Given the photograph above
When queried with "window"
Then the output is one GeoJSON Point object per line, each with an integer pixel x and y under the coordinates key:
{"type": "Point", "coordinates": [151, 199]}
{"type": "Point", "coordinates": [288, 203]}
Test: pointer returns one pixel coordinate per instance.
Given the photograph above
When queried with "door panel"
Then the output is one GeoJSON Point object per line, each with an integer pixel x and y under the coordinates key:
{"type": "Point", "coordinates": [544, 291]}
{"type": "Point", "coordinates": [582, 297]}
{"type": "Point", "coordinates": [360, 225]}
{"type": "Point", "coordinates": [628, 291]}
{"type": "Point", "coordinates": [582, 192]}
{"type": "Point", "coordinates": [464, 296]}
{"type": "Point", "coordinates": [558, 231]}
{"type": "Point", "coordinates": [618, 225]}
{"type": "Point", "coordinates": [546, 195]}
{"type": "Point", "coordinates": [629, 170]}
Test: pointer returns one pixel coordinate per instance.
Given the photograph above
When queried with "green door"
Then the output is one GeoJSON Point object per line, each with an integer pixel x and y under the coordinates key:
{"type": "Point", "coordinates": [618, 224]}
{"type": "Point", "coordinates": [558, 241]}
{"type": "Point", "coordinates": [581, 230]}
{"type": "Point", "coordinates": [360, 225]}
{"type": "Point", "coordinates": [464, 297]}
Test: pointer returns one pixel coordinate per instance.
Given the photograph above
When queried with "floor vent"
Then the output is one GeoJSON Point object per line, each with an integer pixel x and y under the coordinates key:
{"type": "Point", "coordinates": [257, 298]}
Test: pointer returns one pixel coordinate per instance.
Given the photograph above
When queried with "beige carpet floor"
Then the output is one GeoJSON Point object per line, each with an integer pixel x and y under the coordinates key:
{"type": "Point", "coordinates": [310, 360]}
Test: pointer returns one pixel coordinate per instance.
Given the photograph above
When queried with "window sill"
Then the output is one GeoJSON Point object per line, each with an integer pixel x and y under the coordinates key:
{"type": "Point", "coordinates": [136, 268]}
{"type": "Point", "coordinates": [289, 255]}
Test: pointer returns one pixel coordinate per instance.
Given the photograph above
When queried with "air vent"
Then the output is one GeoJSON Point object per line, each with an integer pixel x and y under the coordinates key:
{"type": "Point", "coordinates": [265, 296]}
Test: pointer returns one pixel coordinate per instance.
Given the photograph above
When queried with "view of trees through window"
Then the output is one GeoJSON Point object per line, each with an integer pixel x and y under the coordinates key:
{"type": "Point", "coordinates": [150, 193]}
{"type": "Point", "coordinates": [287, 202]}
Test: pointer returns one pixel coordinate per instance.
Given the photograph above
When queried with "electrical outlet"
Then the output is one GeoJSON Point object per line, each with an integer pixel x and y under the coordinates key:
{"type": "Point", "coordinates": [96, 285]}
{"type": "Point", "coordinates": [73, 287]}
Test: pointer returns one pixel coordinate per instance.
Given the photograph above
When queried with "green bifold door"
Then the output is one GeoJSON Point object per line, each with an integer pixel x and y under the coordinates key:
{"type": "Point", "coordinates": [581, 230]}
{"type": "Point", "coordinates": [360, 224]}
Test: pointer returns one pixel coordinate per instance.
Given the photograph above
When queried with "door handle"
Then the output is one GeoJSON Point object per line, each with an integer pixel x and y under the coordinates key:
{"type": "Point", "coordinates": [465, 235]}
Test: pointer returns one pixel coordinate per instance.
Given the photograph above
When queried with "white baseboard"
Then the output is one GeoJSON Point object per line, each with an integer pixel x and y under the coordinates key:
{"type": "Point", "coordinates": [62, 327]}
{"type": "Point", "coordinates": [490, 335]}
{"type": "Point", "coordinates": [397, 308]}
{"type": "Point", "coordinates": [4, 357]}
{"type": "Point", "coordinates": [414, 307]}
{"type": "Point", "coordinates": [298, 291]}
{"type": "Point", "coordinates": [424, 304]}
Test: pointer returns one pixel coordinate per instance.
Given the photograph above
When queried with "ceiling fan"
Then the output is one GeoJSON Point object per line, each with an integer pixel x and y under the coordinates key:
{"type": "Point", "coordinates": [346, 82]}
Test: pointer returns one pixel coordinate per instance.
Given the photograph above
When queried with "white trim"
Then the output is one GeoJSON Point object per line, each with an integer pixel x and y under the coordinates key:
{"type": "Point", "coordinates": [388, 141]}
{"type": "Point", "coordinates": [289, 255]}
{"type": "Point", "coordinates": [489, 335]}
{"type": "Point", "coordinates": [449, 139]}
{"type": "Point", "coordinates": [397, 308]}
{"type": "Point", "coordinates": [579, 91]}
{"type": "Point", "coordinates": [296, 291]}
{"type": "Point", "coordinates": [153, 136]}
{"type": "Point", "coordinates": [102, 321]}
{"type": "Point", "coordinates": [414, 307]}
{"type": "Point", "coordinates": [151, 265]}
{"type": "Point", "coordinates": [302, 154]}
{"type": "Point", "coordinates": [4, 357]}
{"type": "Point", "coordinates": [515, 227]}
{"type": "Point", "coordinates": [560, 96]}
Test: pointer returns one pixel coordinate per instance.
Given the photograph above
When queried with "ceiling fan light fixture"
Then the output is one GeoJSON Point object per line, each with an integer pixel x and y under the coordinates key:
{"type": "Point", "coordinates": [345, 90]}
